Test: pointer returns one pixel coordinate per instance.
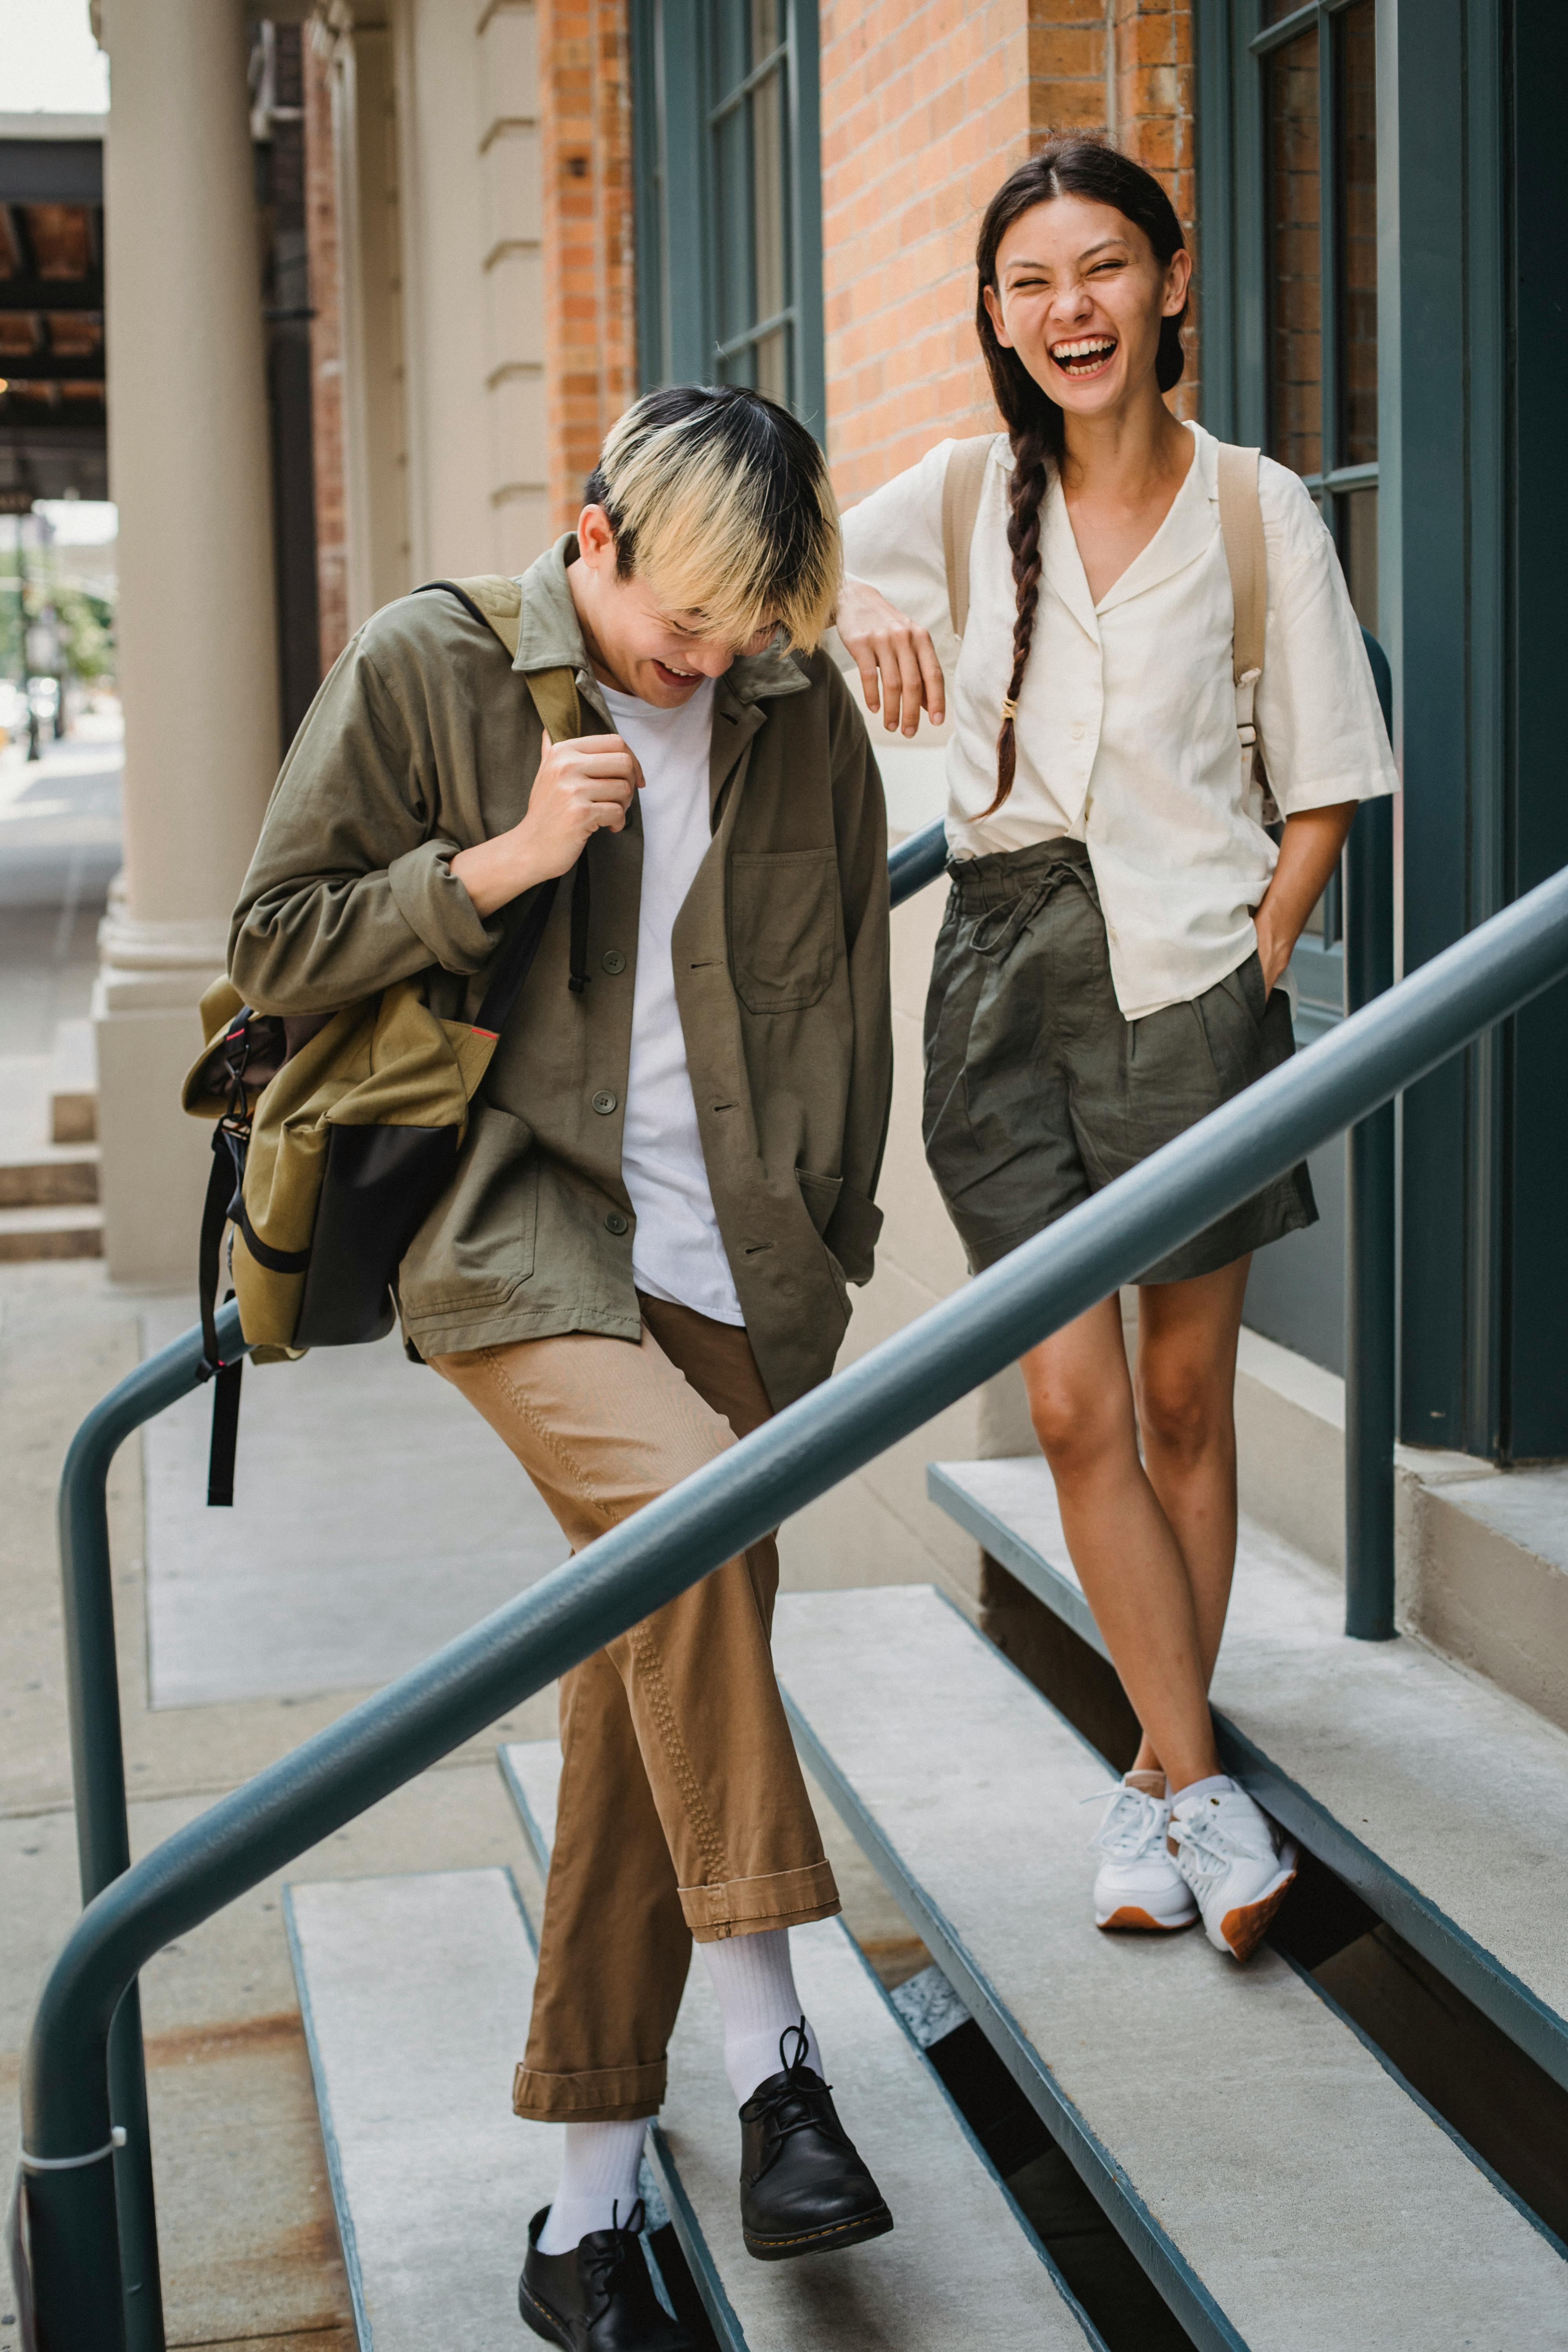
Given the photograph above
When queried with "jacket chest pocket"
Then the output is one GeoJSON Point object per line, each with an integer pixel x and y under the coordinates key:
{"type": "Point", "coordinates": [783, 927]}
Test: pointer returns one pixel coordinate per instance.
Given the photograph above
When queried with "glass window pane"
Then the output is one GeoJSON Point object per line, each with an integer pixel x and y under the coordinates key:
{"type": "Point", "coordinates": [1355, 69]}
{"type": "Point", "coordinates": [1295, 289]}
{"type": "Point", "coordinates": [1276, 11]}
{"type": "Point", "coordinates": [1356, 531]}
{"type": "Point", "coordinates": [769, 288]}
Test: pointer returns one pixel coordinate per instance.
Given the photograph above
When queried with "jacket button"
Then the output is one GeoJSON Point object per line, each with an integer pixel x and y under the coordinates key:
{"type": "Point", "coordinates": [604, 1103]}
{"type": "Point", "coordinates": [615, 1223]}
{"type": "Point", "coordinates": [615, 961]}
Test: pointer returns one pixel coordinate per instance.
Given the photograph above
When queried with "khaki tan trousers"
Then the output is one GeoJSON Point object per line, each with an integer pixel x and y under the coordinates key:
{"type": "Point", "coordinates": [682, 1811]}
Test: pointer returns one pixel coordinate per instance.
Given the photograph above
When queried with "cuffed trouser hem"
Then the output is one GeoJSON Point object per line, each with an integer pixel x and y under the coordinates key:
{"type": "Point", "coordinates": [744, 1907]}
{"type": "Point", "coordinates": [614, 2094]}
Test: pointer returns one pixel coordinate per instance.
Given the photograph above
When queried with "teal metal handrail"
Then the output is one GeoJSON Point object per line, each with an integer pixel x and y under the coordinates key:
{"type": "Point", "coordinates": [635, 1568]}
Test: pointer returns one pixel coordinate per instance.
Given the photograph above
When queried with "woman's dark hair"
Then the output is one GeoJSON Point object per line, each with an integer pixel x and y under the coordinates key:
{"type": "Point", "coordinates": [1065, 167]}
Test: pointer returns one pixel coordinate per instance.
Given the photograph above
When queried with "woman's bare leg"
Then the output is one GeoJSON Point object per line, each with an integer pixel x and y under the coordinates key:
{"type": "Point", "coordinates": [1187, 1334]}
{"type": "Point", "coordinates": [1129, 1561]}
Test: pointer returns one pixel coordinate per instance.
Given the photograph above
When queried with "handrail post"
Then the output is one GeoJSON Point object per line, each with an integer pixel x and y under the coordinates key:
{"type": "Point", "coordinates": [102, 1828]}
{"type": "Point", "coordinates": [1371, 1374]}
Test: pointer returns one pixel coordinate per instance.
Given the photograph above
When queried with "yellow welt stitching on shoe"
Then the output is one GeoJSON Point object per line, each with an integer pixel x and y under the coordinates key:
{"type": "Point", "coordinates": [814, 2237]}
{"type": "Point", "coordinates": [543, 2310]}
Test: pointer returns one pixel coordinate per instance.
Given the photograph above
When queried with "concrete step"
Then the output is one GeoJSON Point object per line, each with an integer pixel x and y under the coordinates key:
{"type": "Point", "coordinates": [1480, 1553]}
{"type": "Point", "coordinates": [959, 2267]}
{"type": "Point", "coordinates": [414, 1993]}
{"type": "Point", "coordinates": [1281, 2186]}
{"type": "Point", "coordinates": [58, 1178]}
{"type": "Point", "coordinates": [73, 1084]}
{"type": "Point", "coordinates": [50, 1232]}
{"type": "Point", "coordinates": [1443, 1801]}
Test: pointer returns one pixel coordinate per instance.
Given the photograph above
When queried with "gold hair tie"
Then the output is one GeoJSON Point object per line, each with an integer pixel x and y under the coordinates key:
{"type": "Point", "coordinates": [1009, 708]}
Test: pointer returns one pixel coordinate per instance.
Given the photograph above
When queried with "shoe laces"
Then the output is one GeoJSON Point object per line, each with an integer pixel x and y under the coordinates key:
{"type": "Point", "coordinates": [793, 2105]}
{"type": "Point", "coordinates": [1135, 1823]}
{"type": "Point", "coordinates": [1209, 1846]}
{"type": "Point", "coordinates": [606, 2265]}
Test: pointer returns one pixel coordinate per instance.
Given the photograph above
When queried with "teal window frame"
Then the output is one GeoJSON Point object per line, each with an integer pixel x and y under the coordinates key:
{"type": "Point", "coordinates": [693, 219]}
{"type": "Point", "coordinates": [1234, 47]}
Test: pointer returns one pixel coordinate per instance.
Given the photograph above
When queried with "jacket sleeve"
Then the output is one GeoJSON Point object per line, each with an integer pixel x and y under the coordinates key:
{"type": "Point", "coordinates": [351, 887]}
{"type": "Point", "coordinates": [861, 826]}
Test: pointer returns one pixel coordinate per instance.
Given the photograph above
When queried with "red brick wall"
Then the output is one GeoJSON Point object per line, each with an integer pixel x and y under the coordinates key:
{"type": "Point", "coordinates": [925, 107]}
{"type": "Point", "coordinates": [590, 348]}
{"type": "Point", "coordinates": [326, 357]}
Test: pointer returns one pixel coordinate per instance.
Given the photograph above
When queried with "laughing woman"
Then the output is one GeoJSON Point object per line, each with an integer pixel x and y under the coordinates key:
{"type": "Point", "coordinates": [1120, 920]}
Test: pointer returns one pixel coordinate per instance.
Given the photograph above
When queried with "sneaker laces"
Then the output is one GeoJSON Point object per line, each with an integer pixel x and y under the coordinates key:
{"type": "Point", "coordinates": [1135, 1823]}
{"type": "Point", "coordinates": [1213, 1849]}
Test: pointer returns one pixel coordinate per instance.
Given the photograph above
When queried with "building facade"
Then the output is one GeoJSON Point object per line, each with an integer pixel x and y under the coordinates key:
{"type": "Point", "coordinates": [515, 214]}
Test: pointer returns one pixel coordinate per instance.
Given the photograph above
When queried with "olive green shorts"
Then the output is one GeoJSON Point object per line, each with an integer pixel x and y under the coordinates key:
{"type": "Point", "coordinates": [1037, 1092]}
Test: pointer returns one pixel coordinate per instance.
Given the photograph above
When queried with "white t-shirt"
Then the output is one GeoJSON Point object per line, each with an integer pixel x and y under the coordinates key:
{"type": "Point", "coordinates": [676, 1251]}
{"type": "Point", "coordinates": [1126, 725]}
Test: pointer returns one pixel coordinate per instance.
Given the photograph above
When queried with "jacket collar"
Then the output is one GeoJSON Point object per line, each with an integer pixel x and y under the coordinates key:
{"type": "Point", "coordinates": [549, 636]}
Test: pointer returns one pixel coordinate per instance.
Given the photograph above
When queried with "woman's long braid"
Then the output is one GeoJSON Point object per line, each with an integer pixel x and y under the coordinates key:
{"type": "Point", "coordinates": [1026, 502]}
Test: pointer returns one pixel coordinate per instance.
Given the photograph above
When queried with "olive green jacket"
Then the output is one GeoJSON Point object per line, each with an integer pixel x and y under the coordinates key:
{"type": "Point", "coordinates": [422, 743]}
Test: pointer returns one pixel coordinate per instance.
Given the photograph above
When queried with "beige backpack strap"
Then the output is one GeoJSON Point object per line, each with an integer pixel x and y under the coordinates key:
{"type": "Point", "coordinates": [554, 691]}
{"type": "Point", "coordinates": [501, 601]}
{"type": "Point", "coordinates": [1246, 559]}
{"type": "Point", "coordinates": [960, 488]}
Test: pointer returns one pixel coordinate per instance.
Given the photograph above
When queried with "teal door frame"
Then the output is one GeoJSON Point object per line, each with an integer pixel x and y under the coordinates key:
{"type": "Point", "coordinates": [1473, 359]}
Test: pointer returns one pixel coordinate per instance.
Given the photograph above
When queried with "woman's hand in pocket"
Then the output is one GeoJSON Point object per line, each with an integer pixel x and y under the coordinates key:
{"type": "Point", "coordinates": [897, 661]}
{"type": "Point", "coordinates": [583, 786]}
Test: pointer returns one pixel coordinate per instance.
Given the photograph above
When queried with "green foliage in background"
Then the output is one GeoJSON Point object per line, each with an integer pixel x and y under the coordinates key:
{"type": "Point", "coordinates": [84, 617]}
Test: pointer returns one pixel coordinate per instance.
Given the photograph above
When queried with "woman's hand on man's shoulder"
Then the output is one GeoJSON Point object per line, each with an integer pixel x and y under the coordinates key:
{"type": "Point", "coordinates": [899, 672]}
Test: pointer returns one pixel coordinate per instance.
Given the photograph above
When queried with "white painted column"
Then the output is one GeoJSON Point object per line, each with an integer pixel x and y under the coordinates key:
{"type": "Point", "coordinates": [189, 468]}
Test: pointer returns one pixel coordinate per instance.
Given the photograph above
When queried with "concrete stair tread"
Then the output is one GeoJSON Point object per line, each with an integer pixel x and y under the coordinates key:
{"type": "Point", "coordinates": [1443, 1800]}
{"type": "Point", "coordinates": [49, 1176]}
{"type": "Point", "coordinates": [958, 2267]}
{"type": "Point", "coordinates": [1283, 2187]}
{"type": "Point", "coordinates": [55, 1231]}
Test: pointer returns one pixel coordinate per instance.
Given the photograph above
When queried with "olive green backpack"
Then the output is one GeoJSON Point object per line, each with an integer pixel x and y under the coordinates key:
{"type": "Point", "coordinates": [336, 1137]}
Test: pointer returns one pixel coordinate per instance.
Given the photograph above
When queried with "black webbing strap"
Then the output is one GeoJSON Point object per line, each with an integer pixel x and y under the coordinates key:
{"type": "Point", "coordinates": [226, 1429]}
{"type": "Point", "coordinates": [223, 1190]}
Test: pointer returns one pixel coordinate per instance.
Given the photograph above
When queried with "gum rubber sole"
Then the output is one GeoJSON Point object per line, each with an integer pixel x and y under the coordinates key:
{"type": "Point", "coordinates": [1244, 1927]}
{"type": "Point", "coordinates": [826, 2241]}
{"type": "Point", "coordinates": [1130, 1920]}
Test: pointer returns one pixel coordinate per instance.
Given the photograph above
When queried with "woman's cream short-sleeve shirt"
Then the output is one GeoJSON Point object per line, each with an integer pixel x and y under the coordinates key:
{"type": "Point", "coordinates": [1126, 723]}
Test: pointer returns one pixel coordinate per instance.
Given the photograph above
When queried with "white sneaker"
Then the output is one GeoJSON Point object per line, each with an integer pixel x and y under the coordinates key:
{"type": "Point", "coordinates": [1238, 1865]}
{"type": "Point", "coordinates": [1138, 1884]}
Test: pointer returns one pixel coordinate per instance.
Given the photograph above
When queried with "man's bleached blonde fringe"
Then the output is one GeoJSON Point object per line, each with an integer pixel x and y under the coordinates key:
{"type": "Point", "coordinates": [703, 540]}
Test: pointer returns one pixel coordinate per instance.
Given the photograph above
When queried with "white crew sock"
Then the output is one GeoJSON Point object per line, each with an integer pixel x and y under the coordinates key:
{"type": "Point", "coordinates": [1218, 1784]}
{"type": "Point", "coordinates": [599, 2167]}
{"type": "Point", "coordinates": [755, 1984]}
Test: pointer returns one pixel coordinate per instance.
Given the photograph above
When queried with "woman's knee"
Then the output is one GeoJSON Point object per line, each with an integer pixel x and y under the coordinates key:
{"type": "Point", "coordinates": [1079, 1432]}
{"type": "Point", "coordinates": [1181, 1411]}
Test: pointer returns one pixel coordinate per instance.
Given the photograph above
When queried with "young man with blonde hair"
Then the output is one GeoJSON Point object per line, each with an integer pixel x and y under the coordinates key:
{"type": "Point", "coordinates": [664, 1188]}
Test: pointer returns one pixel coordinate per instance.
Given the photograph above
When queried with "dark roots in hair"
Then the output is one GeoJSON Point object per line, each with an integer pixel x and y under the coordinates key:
{"type": "Point", "coordinates": [1065, 167]}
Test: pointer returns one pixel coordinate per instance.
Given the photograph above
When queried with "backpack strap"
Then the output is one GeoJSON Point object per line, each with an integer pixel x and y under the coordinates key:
{"type": "Point", "coordinates": [497, 603]}
{"type": "Point", "coordinates": [960, 488]}
{"type": "Point", "coordinates": [1246, 559]}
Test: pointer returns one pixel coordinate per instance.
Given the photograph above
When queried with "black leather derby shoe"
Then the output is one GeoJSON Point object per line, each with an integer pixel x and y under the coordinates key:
{"type": "Point", "coordinates": [599, 2297]}
{"type": "Point", "coordinates": [803, 2190]}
